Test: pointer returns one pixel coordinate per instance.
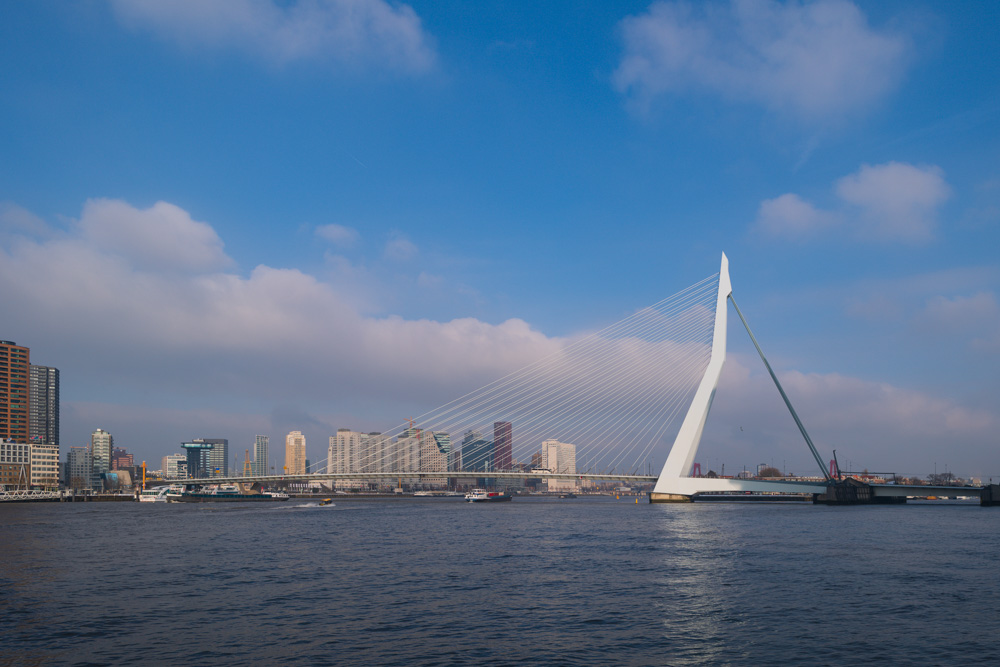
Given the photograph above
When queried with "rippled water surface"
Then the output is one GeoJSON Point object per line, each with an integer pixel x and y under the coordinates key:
{"type": "Point", "coordinates": [437, 582]}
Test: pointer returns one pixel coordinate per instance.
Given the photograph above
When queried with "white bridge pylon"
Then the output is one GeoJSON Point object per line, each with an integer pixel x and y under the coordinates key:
{"type": "Point", "coordinates": [674, 483]}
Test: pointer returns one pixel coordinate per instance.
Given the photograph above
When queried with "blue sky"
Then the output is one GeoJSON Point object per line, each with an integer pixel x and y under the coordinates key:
{"type": "Point", "coordinates": [236, 217]}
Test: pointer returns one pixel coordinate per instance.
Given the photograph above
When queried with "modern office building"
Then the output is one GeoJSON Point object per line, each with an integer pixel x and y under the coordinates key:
{"type": "Point", "coordinates": [43, 421]}
{"type": "Point", "coordinates": [197, 452]}
{"type": "Point", "coordinates": [477, 456]}
{"type": "Point", "coordinates": [295, 453]}
{"type": "Point", "coordinates": [174, 466]}
{"type": "Point", "coordinates": [15, 395]}
{"type": "Point", "coordinates": [434, 450]}
{"type": "Point", "coordinates": [218, 456]}
{"type": "Point", "coordinates": [260, 454]}
{"type": "Point", "coordinates": [559, 457]}
{"type": "Point", "coordinates": [477, 452]}
{"type": "Point", "coordinates": [15, 465]}
{"type": "Point", "coordinates": [503, 456]}
{"type": "Point", "coordinates": [45, 467]}
{"type": "Point", "coordinates": [207, 457]}
{"type": "Point", "coordinates": [101, 446]}
{"type": "Point", "coordinates": [443, 440]}
{"type": "Point", "coordinates": [121, 459]}
{"type": "Point", "coordinates": [79, 468]}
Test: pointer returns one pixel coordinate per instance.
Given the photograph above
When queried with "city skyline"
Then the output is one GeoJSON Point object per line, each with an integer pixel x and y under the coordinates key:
{"type": "Point", "coordinates": [232, 233]}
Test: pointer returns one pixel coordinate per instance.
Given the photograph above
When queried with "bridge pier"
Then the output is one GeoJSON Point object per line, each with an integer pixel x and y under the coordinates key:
{"type": "Point", "coordinates": [853, 492]}
{"type": "Point", "coordinates": [655, 497]}
{"type": "Point", "coordinates": [990, 496]}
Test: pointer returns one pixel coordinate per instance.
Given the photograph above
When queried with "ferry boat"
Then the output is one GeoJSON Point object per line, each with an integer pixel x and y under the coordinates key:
{"type": "Point", "coordinates": [483, 496]}
{"type": "Point", "coordinates": [158, 494]}
{"type": "Point", "coordinates": [224, 493]}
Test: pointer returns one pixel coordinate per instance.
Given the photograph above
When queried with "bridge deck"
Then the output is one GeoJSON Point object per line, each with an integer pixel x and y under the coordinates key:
{"type": "Point", "coordinates": [322, 477]}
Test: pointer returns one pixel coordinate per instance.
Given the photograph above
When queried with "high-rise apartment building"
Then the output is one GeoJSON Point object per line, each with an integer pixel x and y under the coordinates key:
{"type": "Point", "coordinates": [43, 420]}
{"type": "Point", "coordinates": [346, 453]}
{"type": "Point", "coordinates": [295, 453]}
{"type": "Point", "coordinates": [376, 452]}
{"type": "Point", "coordinates": [260, 446]}
{"type": "Point", "coordinates": [101, 446]}
{"type": "Point", "coordinates": [15, 396]}
{"type": "Point", "coordinates": [503, 456]}
{"type": "Point", "coordinates": [405, 452]}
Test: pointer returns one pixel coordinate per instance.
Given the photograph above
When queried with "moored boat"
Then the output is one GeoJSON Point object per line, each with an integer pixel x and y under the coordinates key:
{"type": "Point", "coordinates": [224, 493]}
{"type": "Point", "coordinates": [483, 496]}
{"type": "Point", "coordinates": [157, 494]}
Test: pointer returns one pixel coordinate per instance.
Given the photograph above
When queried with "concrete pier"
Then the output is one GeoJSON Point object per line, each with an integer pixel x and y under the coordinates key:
{"type": "Point", "coordinates": [990, 496]}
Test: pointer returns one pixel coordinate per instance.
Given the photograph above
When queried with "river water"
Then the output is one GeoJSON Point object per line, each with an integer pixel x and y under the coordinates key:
{"type": "Point", "coordinates": [590, 581]}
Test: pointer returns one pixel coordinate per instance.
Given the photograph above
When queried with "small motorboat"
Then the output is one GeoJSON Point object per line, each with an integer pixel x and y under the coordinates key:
{"type": "Point", "coordinates": [325, 502]}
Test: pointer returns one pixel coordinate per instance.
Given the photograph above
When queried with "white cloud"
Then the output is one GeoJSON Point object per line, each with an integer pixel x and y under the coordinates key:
{"type": "Point", "coordinates": [349, 32]}
{"type": "Point", "coordinates": [338, 235]}
{"type": "Point", "coordinates": [896, 200]}
{"type": "Point", "coordinates": [110, 287]}
{"type": "Point", "coordinates": [162, 236]}
{"type": "Point", "coordinates": [201, 353]}
{"type": "Point", "coordinates": [877, 425]}
{"type": "Point", "coordinates": [400, 249]}
{"type": "Point", "coordinates": [976, 317]}
{"type": "Point", "coordinates": [819, 60]}
{"type": "Point", "coordinates": [17, 219]}
{"type": "Point", "coordinates": [429, 280]}
{"type": "Point", "coordinates": [791, 216]}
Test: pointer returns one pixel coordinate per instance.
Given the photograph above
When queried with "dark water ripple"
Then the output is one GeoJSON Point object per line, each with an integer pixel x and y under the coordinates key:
{"type": "Point", "coordinates": [584, 582]}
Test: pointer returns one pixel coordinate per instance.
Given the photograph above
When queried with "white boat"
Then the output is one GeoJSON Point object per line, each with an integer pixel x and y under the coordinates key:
{"type": "Point", "coordinates": [223, 493]}
{"type": "Point", "coordinates": [157, 494]}
{"type": "Point", "coordinates": [484, 496]}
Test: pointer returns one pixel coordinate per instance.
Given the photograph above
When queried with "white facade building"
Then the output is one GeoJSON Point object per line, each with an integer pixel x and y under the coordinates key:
{"type": "Point", "coordinates": [346, 454]}
{"type": "Point", "coordinates": [295, 453]}
{"type": "Point", "coordinates": [101, 446]}
{"type": "Point", "coordinates": [559, 457]}
{"type": "Point", "coordinates": [434, 450]}
{"type": "Point", "coordinates": [171, 466]}
{"type": "Point", "coordinates": [45, 467]}
{"type": "Point", "coordinates": [260, 446]}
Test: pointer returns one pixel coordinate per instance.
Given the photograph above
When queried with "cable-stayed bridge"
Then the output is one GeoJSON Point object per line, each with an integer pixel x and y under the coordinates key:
{"type": "Point", "coordinates": [605, 406]}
